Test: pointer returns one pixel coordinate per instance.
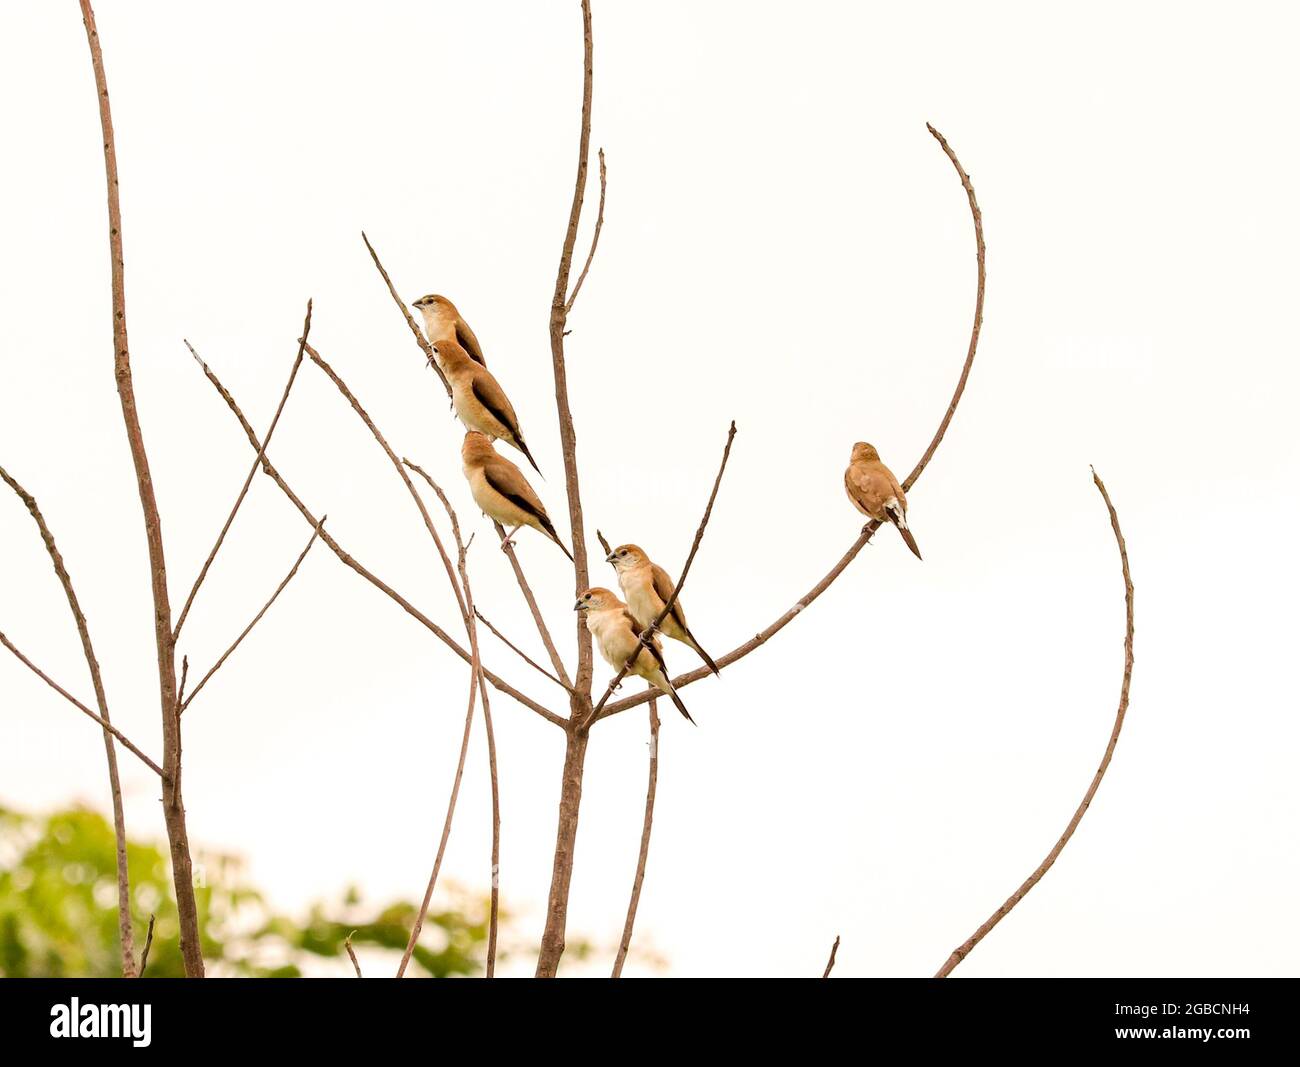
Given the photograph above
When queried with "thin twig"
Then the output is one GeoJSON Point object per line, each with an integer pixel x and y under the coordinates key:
{"type": "Point", "coordinates": [471, 629]}
{"type": "Point", "coordinates": [347, 944]}
{"type": "Point", "coordinates": [348, 395]}
{"type": "Point", "coordinates": [127, 935]}
{"type": "Point", "coordinates": [763, 636]}
{"type": "Point", "coordinates": [354, 565]}
{"type": "Point", "coordinates": [258, 617]}
{"type": "Point", "coordinates": [148, 944]}
{"type": "Point", "coordinates": [965, 948]}
{"type": "Point", "coordinates": [248, 481]}
{"type": "Point", "coordinates": [647, 634]}
{"type": "Point", "coordinates": [173, 804]}
{"type": "Point", "coordinates": [831, 962]}
{"type": "Point", "coordinates": [517, 650]}
{"type": "Point", "coordinates": [401, 306]}
{"type": "Point", "coordinates": [127, 743]}
{"type": "Point", "coordinates": [646, 825]}
{"type": "Point", "coordinates": [595, 237]}
{"type": "Point", "coordinates": [556, 661]}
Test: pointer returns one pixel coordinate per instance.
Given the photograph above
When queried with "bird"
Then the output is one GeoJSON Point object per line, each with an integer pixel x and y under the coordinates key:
{"type": "Point", "coordinates": [648, 589]}
{"type": "Point", "coordinates": [617, 633]}
{"type": "Point", "coordinates": [480, 402]}
{"type": "Point", "coordinates": [442, 322]}
{"type": "Point", "coordinates": [876, 493]}
{"type": "Point", "coordinates": [502, 492]}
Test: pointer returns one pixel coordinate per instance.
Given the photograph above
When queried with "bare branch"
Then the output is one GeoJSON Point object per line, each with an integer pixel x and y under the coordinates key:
{"type": "Point", "coordinates": [647, 634]}
{"type": "Point", "coordinates": [595, 238]}
{"type": "Point", "coordinates": [347, 944]}
{"type": "Point", "coordinates": [830, 963]}
{"type": "Point", "coordinates": [173, 806]}
{"type": "Point", "coordinates": [401, 306]}
{"type": "Point", "coordinates": [92, 662]}
{"type": "Point", "coordinates": [517, 650]}
{"type": "Point", "coordinates": [351, 563]}
{"type": "Point", "coordinates": [556, 661]}
{"type": "Point", "coordinates": [148, 944]}
{"type": "Point", "coordinates": [108, 726]}
{"type": "Point", "coordinates": [763, 636]}
{"type": "Point", "coordinates": [559, 319]}
{"type": "Point", "coordinates": [401, 473]}
{"type": "Point", "coordinates": [252, 472]}
{"type": "Point", "coordinates": [964, 949]}
{"type": "Point", "coordinates": [256, 618]}
{"type": "Point", "coordinates": [647, 824]}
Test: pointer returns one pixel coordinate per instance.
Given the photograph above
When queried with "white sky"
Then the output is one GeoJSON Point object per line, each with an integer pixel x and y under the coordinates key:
{"type": "Point", "coordinates": [784, 245]}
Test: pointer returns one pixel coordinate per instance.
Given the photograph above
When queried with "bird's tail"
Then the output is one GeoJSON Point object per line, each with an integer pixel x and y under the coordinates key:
{"type": "Point", "coordinates": [548, 528]}
{"type": "Point", "coordinates": [702, 654]}
{"type": "Point", "coordinates": [680, 706]}
{"type": "Point", "coordinates": [899, 519]}
{"type": "Point", "coordinates": [520, 444]}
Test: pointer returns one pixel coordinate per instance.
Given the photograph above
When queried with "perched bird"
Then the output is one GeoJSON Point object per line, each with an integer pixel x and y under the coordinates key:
{"type": "Point", "coordinates": [648, 588]}
{"type": "Point", "coordinates": [442, 322]}
{"type": "Point", "coordinates": [501, 491]}
{"type": "Point", "coordinates": [617, 634]}
{"type": "Point", "coordinates": [480, 402]}
{"type": "Point", "coordinates": [876, 493]}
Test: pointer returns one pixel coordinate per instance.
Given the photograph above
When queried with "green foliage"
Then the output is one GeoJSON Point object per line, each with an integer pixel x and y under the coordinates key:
{"type": "Point", "coordinates": [58, 912]}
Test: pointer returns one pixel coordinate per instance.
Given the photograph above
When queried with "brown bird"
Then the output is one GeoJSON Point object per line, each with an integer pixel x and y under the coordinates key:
{"type": "Point", "coordinates": [876, 493]}
{"type": "Point", "coordinates": [648, 589]}
{"type": "Point", "coordinates": [502, 492]}
{"type": "Point", "coordinates": [480, 402]}
{"type": "Point", "coordinates": [442, 322]}
{"type": "Point", "coordinates": [617, 634]}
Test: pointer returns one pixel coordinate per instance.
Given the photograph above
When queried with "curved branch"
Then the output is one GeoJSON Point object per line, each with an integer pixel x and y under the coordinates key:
{"type": "Point", "coordinates": [965, 948]}
{"type": "Point", "coordinates": [646, 826]}
{"type": "Point", "coordinates": [348, 561]}
{"type": "Point", "coordinates": [830, 963]}
{"type": "Point", "coordinates": [763, 636]}
{"type": "Point", "coordinates": [595, 237]}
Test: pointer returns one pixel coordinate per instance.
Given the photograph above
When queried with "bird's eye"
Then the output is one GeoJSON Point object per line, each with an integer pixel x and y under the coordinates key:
{"type": "Point", "coordinates": [623, 553]}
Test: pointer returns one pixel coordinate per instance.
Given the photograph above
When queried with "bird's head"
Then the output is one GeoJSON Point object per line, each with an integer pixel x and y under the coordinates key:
{"type": "Point", "coordinates": [477, 447]}
{"type": "Point", "coordinates": [596, 599]}
{"type": "Point", "coordinates": [865, 453]}
{"type": "Point", "coordinates": [450, 354]}
{"type": "Point", "coordinates": [435, 306]}
{"type": "Point", "coordinates": [626, 557]}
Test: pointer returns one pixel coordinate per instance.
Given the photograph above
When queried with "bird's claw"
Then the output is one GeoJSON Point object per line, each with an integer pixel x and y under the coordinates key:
{"type": "Point", "coordinates": [507, 544]}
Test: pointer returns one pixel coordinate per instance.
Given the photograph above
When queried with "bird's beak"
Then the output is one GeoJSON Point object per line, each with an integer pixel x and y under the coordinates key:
{"type": "Point", "coordinates": [577, 606]}
{"type": "Point", "coordinates": [415, 305]}
{"type": "Point", "coordinates": [609, 558]}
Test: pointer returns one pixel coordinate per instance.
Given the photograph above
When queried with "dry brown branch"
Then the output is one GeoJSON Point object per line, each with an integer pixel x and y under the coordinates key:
{"type": "Point", "coordinates": [446, 824]}
{"type": "Point", "coordinates": [556, 661]}
{"type": "Point", "coordinates": [173, 807]}
{"type": "Point", "coordinates": [646, 825]}
{"type": "Point", "coordinates": [419, 336]}
{"type": "Point", "coordinates": [471, 629]}
{"type": "Point", "coordinates": [401, 473]}
{"type": "Point", "coordinates": [347, 944]}
{"type": "Point", "coordinates": [92, 662]}
{"type": "Point", "coordinates": [965, 948]}
{"type": "Point", "coordinates": [830, 963]}
{"type": "Point", "coordinates": [127, 743]}
{"type": "Point", "coordinates": [256, 618]}
{"type": "Point", "coordinates": [148, 944]}
{"type": "Point", "coordinates": [647, 635]}
{"type": "Point", "coordinates": [248, 481]}
{"type": "Point", "coordinates": [517, 650]}
{"type": "Point", "coordinates": [354, 565]}
{"type": "Point", "coordinates": [595, 237]}
{"type": "Point", "coordinates": [763, 636]}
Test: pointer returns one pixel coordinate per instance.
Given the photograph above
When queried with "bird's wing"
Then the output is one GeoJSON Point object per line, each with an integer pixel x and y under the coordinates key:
{"type": "Point", "coordinates": [466, 339]}
{"type": "Point", "coordinates": [652, 644]}
{"type": "Point", "coordinates": [867, 488]}
{"type": "Point", "coordinates": [664, 587]}
{"type": "Point", "coordinates": [506, 479]}
{"type": "Point", "coordinates": [489, 393]}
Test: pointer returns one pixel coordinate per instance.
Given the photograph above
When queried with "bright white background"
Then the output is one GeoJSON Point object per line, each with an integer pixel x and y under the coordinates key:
{"type": "Point", "coordinates": [784, 245]}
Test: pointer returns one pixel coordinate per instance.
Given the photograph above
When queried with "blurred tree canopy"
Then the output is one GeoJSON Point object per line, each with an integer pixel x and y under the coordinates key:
{"type": "Point", "coordinates": [58, 912]}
